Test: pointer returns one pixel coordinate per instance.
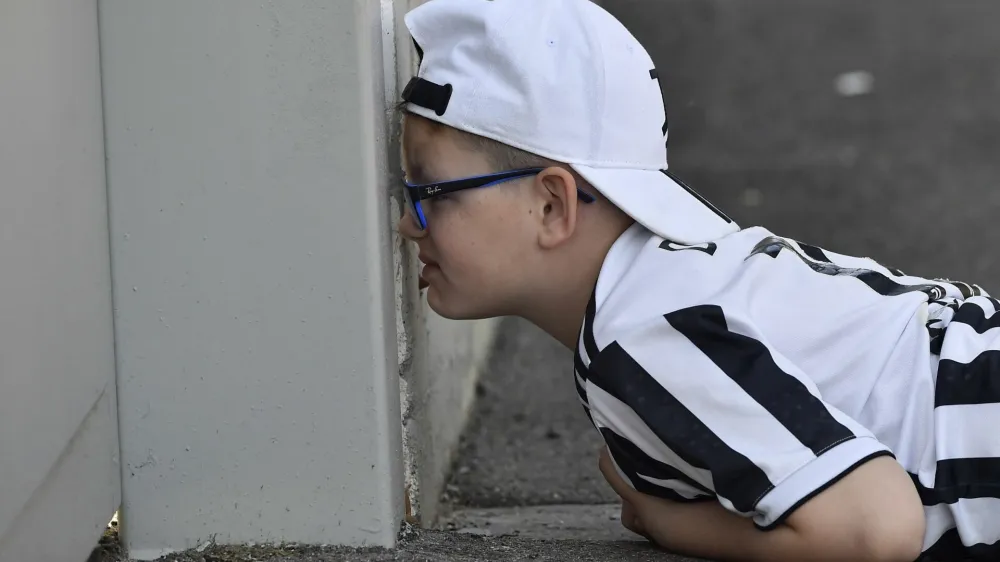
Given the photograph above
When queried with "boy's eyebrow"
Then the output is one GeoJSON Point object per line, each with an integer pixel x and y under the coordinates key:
{"type": "Point", "coordinates": [415, 174]}
{"type": "Point", "coordinates": [411, 165]}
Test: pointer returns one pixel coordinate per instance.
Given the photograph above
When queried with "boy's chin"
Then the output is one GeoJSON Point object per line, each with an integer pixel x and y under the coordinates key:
{"type": "Point", "coordinates": [448, 308]}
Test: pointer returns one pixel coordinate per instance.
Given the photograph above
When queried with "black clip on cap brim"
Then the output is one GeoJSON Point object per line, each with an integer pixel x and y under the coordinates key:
{"type": "Point", "coordinates": [427, 94]}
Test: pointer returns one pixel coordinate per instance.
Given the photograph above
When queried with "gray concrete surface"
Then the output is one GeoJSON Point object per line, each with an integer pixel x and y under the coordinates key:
{"type": "Point", "coordinates": [548, 522]}
{"type": "Point", "coordinates": [430, 546]}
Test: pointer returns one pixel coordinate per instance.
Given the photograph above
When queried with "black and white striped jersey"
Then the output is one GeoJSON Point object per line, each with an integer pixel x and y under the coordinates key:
{"type": "Point", "coordinates": [757, 370]}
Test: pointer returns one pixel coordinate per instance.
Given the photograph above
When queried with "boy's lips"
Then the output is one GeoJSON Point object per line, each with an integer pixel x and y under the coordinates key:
{"type": "Point", "coordinates": [428, 262]}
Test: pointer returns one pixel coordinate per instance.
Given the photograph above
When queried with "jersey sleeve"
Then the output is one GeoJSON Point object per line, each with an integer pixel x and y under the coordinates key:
{"type": "Point", "coordinates": [697, 404]}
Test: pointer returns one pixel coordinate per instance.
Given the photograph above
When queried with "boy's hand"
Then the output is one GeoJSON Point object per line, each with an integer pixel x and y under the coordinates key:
{"type": "Point", "coordinates": [630, 519]}
{"type": "Point", "coordinates": [634, 504]}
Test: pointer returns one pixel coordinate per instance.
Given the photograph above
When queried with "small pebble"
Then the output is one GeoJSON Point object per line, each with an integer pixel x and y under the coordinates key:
{"type": "Point", "coordinates": [856, 83]}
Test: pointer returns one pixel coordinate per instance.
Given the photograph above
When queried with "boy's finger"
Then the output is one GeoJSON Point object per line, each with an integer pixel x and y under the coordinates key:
{"type": "Point", "coordinates": [630, 520]}
{"type": "Point", "coordinates": [618, 484]}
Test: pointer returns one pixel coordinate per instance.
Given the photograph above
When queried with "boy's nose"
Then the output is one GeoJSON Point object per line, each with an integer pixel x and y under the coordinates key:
{"type": "Point", "coordinates": [408, 227]}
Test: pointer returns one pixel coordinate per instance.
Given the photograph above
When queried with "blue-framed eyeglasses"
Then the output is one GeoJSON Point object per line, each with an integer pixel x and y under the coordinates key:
{"type": "Point", "coordinates": [417, 193]}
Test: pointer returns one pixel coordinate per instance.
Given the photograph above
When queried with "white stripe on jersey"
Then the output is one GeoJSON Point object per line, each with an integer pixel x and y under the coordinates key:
{"type": "Point", "coordinates": [741, 368]}
{"type": "Point", "coordinates": [679, 486]}
{"type": "Point", "coordinates": [961, 429]}
{"type": "Point", "coordinates": [976, 517]}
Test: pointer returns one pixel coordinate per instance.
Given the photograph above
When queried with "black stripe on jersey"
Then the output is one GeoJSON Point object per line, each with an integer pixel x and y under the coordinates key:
{"type": "Point", "coordinates": [967, 478]}
{"type": "Point", "coordinates": [750, 364]}
{"type": "Point", "coordinates": [952, 304]}
{"type": "Point", "coordinates": [927, 495]}
{"type": "Point", "coordinates": [976, 382]}
{"type": "Point", "coordinates": [936, 337]}
{"type": "Point", "coordinates": [634, 461]}
{"type": "Point", "coordinates": [578, 364]}
{"type": "Point", "coordinates": [964, 288]}
{"type": "Point", "coordinates": [735, 476]}
{"type": "Point", "coordinates": [582, 371]}
{"type": "Point", "coordinates": [950, 548]}
{"type": "Point", "coordinates": [708, 248]}
{"type": "Point", "coordinates": [957, 479]}
{"type": "Point", "coordinates": [814, 252]}
{"type": "Point", "coordinates": [975, 316]}
{"type": "Point", "coordinates": [589, 343]}
{"type": "Point", "coordinates": [581, 390]}
{"type": "Point", "coordinates": [772, 246]}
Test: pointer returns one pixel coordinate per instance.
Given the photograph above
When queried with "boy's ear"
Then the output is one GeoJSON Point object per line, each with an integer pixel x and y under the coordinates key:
{"type": "Point", "coordinates": [556, 197]}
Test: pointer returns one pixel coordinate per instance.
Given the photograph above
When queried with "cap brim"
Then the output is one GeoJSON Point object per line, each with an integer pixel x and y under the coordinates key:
{"type": "Point", "coordinates": [661, 203]}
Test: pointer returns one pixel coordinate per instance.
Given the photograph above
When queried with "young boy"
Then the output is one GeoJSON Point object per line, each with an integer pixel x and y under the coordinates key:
{"type": "Point", "coordinates": [760, 398]}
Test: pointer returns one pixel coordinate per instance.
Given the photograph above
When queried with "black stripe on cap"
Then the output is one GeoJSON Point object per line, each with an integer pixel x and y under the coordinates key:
{"type": "Point", "coordinates": [697, 196]}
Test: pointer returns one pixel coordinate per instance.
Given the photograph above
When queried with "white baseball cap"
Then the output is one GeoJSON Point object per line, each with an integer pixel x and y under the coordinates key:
{"type": "Point", "coordinates": [565, 80]}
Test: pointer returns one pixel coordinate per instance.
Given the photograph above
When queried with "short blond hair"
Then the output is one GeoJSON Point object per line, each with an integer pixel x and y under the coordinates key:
{"type": "Point", "coordinates": [503, 156]}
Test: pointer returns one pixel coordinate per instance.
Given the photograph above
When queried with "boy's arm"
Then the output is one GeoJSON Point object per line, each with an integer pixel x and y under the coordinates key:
{"type": "Point", "coordinates": [873, 513]}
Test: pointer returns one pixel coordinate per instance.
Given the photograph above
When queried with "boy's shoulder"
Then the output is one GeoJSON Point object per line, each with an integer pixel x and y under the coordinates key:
{"type": "Point", "coordinates": [645, 277]}
{"type": "Point", "coordinates": [644, 274]}
{"type": "Point", "coordinates": [757, 277]}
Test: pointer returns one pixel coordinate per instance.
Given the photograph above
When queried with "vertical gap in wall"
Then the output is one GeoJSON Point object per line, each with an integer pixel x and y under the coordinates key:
{"type": "Point", "coordinates": [402, 261]}
{"type": "Point", "coordinates": [110, 544]}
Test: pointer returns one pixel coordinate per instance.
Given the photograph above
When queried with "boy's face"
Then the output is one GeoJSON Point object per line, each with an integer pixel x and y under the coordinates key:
{"type": "Point", "coordinates": [477, 247]}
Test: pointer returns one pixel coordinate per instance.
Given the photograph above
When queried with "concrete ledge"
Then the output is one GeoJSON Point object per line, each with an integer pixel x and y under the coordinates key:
{"type": "Point", "coordinates": [549, 522]}
{"type": "Point", "coordinates": [447, 361]}
{"type": "Point", "coordinates": [440, 360]}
